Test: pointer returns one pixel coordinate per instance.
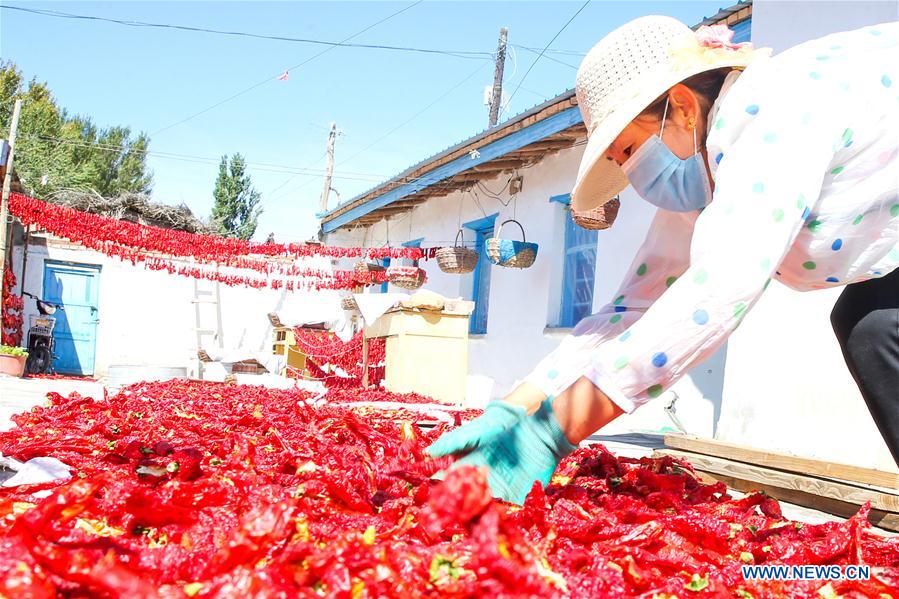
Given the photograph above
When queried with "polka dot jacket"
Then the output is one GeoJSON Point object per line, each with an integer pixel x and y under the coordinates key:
{"type": "Point", "coordinates": [803, 152]}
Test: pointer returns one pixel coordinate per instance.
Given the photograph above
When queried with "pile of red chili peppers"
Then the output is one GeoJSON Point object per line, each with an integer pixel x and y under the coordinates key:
{"type": "Point", "coordinates": [188, 489]}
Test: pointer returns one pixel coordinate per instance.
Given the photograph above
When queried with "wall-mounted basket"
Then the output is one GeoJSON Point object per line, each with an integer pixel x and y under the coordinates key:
{"type": "Point", "coordinates": [457, 260]}
{"type": "Point", "coordinates": [598, 218]}
{"type": "Point", "coordinates": [407, 277]}
{"type": "Point", "coordinates": [510, 253]}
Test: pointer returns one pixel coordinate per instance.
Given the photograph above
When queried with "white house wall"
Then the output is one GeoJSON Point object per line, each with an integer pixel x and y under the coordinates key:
{"type": "Point", "coordinates": [147, 318]}
{"type": "Point", "coordinates": [522, 302]}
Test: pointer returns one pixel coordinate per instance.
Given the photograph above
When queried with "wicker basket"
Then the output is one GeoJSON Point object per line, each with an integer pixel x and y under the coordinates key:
{"type": "Point", "coordinates": [407, 277]}
{"type": "Point", "coordinates": [458, 259]}
{"type": "Point", "coordinates": [349, 303]}
{"type": "Point", "coordinates": [509, 253]}
{"type": "Point", "coordinates": [598, 218]}
{"type": "Point", "coordinates": [368, 267]}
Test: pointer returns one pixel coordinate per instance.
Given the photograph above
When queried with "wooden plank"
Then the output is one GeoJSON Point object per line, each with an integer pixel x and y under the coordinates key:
{"type": "Point", "coordinates": [549, 144]}
{"type": "Point", "coordinates": [784, 461]}
{"type": "Point", "coordinates": [529, 154]}
{"type": "Point", "coordinates": [498, 165]}
{"type": "Point", "coordinates": [787, 480]}
{"type": "Point", "coordinates": [880, 518]}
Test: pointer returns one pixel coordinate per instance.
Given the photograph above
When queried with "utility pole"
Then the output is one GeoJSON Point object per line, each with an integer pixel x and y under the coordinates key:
{"type": "Point", "coordinates": [7, 185]}
{"type": "Point", "coordinates": [498, 77]}
{"type": "Point", "coordinates": [326, 191]}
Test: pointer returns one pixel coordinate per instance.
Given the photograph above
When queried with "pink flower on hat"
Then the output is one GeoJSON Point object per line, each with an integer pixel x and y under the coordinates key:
{"type": "Point", "coordinates": [718, 36]}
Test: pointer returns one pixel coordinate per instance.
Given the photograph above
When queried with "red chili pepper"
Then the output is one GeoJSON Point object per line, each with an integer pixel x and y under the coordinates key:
{"type": "Point", "coordinates": [271, 497]}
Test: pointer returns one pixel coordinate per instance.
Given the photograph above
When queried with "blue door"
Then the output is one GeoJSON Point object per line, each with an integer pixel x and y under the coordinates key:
{"type": "Point", "coordinates": [76, 287]}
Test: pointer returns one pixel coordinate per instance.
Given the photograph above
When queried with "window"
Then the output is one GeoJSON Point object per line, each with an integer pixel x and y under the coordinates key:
{"type": "Point", "coordinates": [480, 288]}
{"type": "Point", "coordinates": [385, 262]}
{"type": "Point", "coordinates": [578, 273]}
{"type": "Point", "coordinates": [414, 243]}
{"type": "Point", "coordinates": [742, 31]}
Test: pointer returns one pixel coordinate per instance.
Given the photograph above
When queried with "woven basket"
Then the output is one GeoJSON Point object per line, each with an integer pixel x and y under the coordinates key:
{"type": "Point", "coordinates": [598, 218]}
{"type": "Point", "coordinates": [368, 267]}
{"type": "Point", "coordinates": [349, 303]}
{"type": "Point", "coordinates": [407, 277]}
{"type": "Point", "coordinates": [509, 253]}
{"type": "Point", "coordinates": [458, 259]}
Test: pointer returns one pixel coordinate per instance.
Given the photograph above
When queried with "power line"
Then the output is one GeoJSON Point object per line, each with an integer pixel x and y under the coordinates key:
{"type": "Point", "coordinates": [416, 115]}
{"type": "Point", "coordinates": [256, 166]}
{"type": "Point", "coordinates": [477, 55]}
{"type": "Point", "coordinates": [553, 50]}
{"type": "Point", "coordinates": [399, 126]}
{"type": "Point", "coordinates": [268, 79]}
{"type": "Point", "coordinates": [261, 166]}
{"type": "Point", "coordinates": [532, 51]}
{"type": "Point", "coordinates": [292, 177]}
{"type": "Point", "coordinates": [543, 51]}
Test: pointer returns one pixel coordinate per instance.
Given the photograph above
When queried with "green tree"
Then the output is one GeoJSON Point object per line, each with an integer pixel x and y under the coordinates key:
{"type": "Point", "coordinates": [55, 150]}
{"type": "Point", "coordinates": [236, 210]}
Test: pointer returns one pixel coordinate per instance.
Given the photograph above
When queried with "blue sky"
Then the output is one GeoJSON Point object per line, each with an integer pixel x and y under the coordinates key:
{"type": "Point", "coordinates": [150, 78]}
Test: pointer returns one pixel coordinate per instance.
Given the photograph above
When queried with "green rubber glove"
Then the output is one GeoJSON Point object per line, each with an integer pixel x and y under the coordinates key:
{"type": "Point", "coordinates": [528, 451]}
{"type": "Point", "coordinates": [498, 417]}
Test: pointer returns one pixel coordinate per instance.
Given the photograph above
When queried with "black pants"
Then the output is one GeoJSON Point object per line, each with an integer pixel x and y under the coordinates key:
{"type": "Point", "coordinates": [866, 321]}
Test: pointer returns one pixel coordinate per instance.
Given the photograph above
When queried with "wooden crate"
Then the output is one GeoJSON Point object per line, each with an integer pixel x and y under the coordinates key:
{"type": "Point", "coordinates": [282, 338]}
{"type": "Point", "coordinates": [248, 367]}
{"type": "Point", "coordinates": [427, 352]}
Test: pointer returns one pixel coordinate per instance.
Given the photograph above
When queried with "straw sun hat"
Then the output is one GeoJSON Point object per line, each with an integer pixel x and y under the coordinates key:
{"type": "Point", "coordinates": [624, 73]}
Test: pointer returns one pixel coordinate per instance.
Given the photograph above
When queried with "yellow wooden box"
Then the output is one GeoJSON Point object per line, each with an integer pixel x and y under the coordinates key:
{"type": "Point", "coordinates": [427, 352]}
{"type": "Point", "coordinates": [284, 343]}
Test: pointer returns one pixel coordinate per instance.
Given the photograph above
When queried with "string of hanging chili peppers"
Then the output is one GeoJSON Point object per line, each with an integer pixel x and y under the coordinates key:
{"type": "Point", "coordinates": [11, 311]}
{"type": "Point", "coordinates": [97, 232]}
{"type": "Point", "coordinates": [166, 250]}
{"type": "Point", "coordinates": [325, 353]}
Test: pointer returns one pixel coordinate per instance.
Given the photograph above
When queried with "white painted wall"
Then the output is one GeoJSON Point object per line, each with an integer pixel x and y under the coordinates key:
{"type": "Point", "coordinates": [147, 318]}
{"type": "Point", "coordinates": [786, 385]}
{"type": "Point", "coordinates": [522, 302]}
{"type": "Point", "coordinates": [781, 24]}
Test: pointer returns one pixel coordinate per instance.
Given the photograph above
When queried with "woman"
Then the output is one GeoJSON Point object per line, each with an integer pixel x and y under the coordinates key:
{"type": "Point", "coordinates": [760, 167]}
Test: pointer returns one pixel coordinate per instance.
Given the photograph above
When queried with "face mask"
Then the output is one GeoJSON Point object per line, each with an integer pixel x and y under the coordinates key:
{"type": "Point", "coordinates": [666, 181]}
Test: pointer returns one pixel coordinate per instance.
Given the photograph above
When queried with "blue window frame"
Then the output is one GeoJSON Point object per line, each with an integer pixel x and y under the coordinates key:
{"type": "Point", "coordinates": [385, 262]}
{"type": "Point", "coordinates": [414, 243]}
{"type": "Point", "coordinates": [742, 31]}
{"type": "Point", "coordinates": [480, 288]}
{"type": "Point", "coordinates": [578, 271]}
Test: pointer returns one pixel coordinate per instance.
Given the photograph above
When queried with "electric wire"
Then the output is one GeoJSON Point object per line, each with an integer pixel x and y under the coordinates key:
{"type": "Point", "coordinates": [542, 52]}
{"type": "Point", "coordinates": [569, 65]}
{"type": "Point", "coordinates": [395, 129]}
{"type": "Point", "coordinates": [468, 54]}
{"type": "Point", "coordinates": [294, 67]}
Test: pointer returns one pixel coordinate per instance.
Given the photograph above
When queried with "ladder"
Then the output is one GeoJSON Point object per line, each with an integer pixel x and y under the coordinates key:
{"type": "Point", "coordinates": [206, 296]}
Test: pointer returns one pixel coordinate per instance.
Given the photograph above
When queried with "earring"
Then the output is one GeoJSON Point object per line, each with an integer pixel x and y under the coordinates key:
{"type": "Point", "coordinates": [691, 123]}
